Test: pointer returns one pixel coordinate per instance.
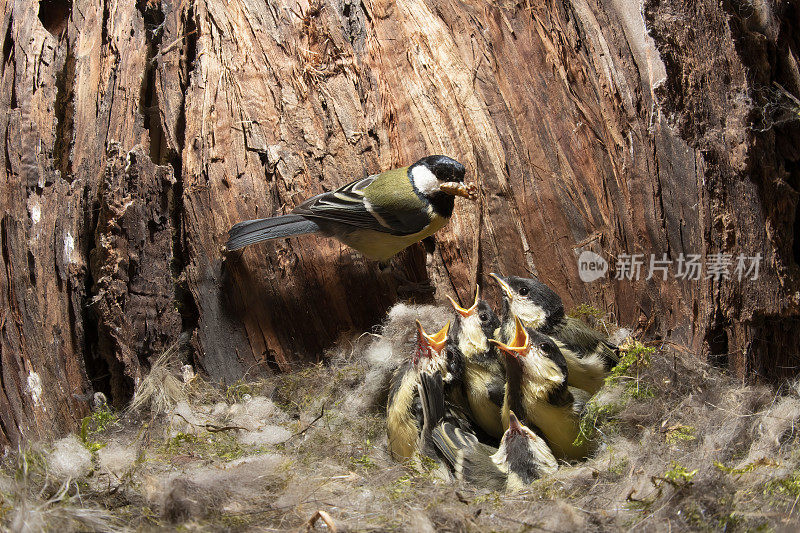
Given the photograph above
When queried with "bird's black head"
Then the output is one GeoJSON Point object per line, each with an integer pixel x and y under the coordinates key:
{"type": "Point", "coordinates": [444, 168]}
{"type": "Point", "coordinates": [478, 320]}
{"type": "Point", "coordinates": [473, 329]}
{"type": "Point", "coordinates": [536, 304]}
{"type": "Point", "coordinates": [439, 179]}
{"type": "Point", "coordinates": [545, 347]}
{"type": "Point", "coordinates": [524, 450]}
{"type": "Point", "coordinates": [488, 318]}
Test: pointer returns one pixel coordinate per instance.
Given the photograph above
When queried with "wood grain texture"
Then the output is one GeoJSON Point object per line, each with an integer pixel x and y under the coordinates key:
{"type": "Point", "coordinates": [139, 133]}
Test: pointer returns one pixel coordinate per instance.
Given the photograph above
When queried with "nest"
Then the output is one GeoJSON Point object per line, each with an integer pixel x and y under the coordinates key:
{"type": "Point", "coordinates": [683, 447]}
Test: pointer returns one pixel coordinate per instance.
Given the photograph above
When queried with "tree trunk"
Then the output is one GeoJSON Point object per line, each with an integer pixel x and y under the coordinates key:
{"type": "Point", "coordinates": [137, 134]}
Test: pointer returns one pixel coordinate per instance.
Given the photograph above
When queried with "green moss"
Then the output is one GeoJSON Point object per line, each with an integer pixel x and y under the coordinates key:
{"type": "Point", "coordinates": [749, 467]}
{"type": "Point", "coordinates": [617, 465]}
{"type": "Point", "coordinates": [363, 461]}
{"type": "Point", "coordinates": [679, 433]}
{"type": "Point", "coordinates": [31, 464]}
{"type": "Point", "coordinates": [636, 390]}
{"type": "Point", "coordinates": [584, 310]}
{"type": "Point", "coordinates": [494, 498]}
{"type": "Point", "coordinates": [596, 414]}
{"type": "Point", "coordinates": [94, 425]}
{"type": "Point", "coordinates": [679, 475]}
{"type": "Point", "coordinates": [428, 465]}
{"type": "Point", "coordinates": [717, 517]}
{"type": "Point", "coordinates": [642, 505]}
{"type": "Point", "coordinates": [633, 357]}
{"type": "Point", "coordinates": [787, 486]}
{"type": "Point", "coordinates": [236, 392]}
{"type": "Point", "coordinates": [401, 487]}
{"type": "Point", "coordinates": [550, 488]}
{"type": "Point", "coordinates": [219, 445]}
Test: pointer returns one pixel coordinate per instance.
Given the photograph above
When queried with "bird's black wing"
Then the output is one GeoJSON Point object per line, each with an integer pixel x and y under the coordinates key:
{"type": "Point", "coordinates": [452, 442]}
{"type": "Point", "coordinates": [471, 460]}
{"type": "Point", "coordinates": [584, 341]}
{"type": "Point", "coordinates": [349, 205]}
{"type": "Point", "coordinates": [431, 394]}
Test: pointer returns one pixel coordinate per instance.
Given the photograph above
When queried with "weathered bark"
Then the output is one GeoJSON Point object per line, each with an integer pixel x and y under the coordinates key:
{"type": "Point", "coordinates": [137, 134]}
{"type": "Point", "coordinates": [133, 297]}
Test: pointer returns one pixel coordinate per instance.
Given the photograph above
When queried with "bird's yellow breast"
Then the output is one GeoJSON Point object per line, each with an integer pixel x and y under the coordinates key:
{"type": "Point", "coordinates": [587, 373]}
{"type": "Point", "coordinates": [486, 413]}
{"type": "Point", "coordinates": [559, 424]}
{"type": "Point", "coordinates": [383, 246]}
{"type": "Point", "coordinates": [400, 424]}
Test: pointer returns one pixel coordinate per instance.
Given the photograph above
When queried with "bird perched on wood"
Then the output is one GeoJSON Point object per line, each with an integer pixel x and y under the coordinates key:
{"type": "Point", "coordinates": [379, 215]}
{"type": "Point", "coordinates": [536, 389]}
{"type": "Point", "coordinates": [483, 377]}
{"type": "Point", "coordinates": [588, 353]}
{"type": "Point", "coordinates": [403, 409]}
{"type": "Point", "coordinates": [521, 458]}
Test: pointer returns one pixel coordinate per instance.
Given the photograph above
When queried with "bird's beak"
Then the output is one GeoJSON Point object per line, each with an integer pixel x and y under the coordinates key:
{"type": "Point", "coordinates": [467, 312]}
{"type": "Point", "coordinates": [519, 346]}
{"type": "Point", "coordinates": [423, 350]}
{"type": "Point", "coordinates": [435, 341]}
{"type": "Point", "coordinates": [513, 423]}
{"type": "Point", "coordinates": [454, 188]}
{"type": "Point", "coordinates": [509, 292]}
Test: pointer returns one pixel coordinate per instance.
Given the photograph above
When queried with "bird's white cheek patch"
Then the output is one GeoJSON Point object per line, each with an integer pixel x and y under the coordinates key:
{"type": "Point", "coordinates": [529, 313]}
{"type": "Point", "coordinates": [424, 180]}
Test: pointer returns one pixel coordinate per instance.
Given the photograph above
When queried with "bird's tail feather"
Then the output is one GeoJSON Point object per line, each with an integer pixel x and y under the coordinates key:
{"type": "Point", "coordinates": [265, 229]}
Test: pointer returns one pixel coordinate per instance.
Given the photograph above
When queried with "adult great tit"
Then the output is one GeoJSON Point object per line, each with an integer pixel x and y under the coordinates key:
{"type": "Point", "coordinates": [379, 215]}
{"type": "Point", "coordinates": [521, 458]}
{"type": "Point", "coordinates": [404, 416]}
{"type": "Point", "coordinates": [484, 378]}
{"type": "Point", "coordinates": [536, 389]}
{"type": "Point", "coordinates": [588, 353]}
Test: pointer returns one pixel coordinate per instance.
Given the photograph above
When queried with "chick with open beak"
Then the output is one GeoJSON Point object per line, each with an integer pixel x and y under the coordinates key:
{"type": "Point", "coordinates": [536, 389]}
{"type": "Point", "coordinates": [483, 377]}
{"type": "Point", "coordinates": [588, 353]}
{"type": "Point", "coordinates": [403, 409]}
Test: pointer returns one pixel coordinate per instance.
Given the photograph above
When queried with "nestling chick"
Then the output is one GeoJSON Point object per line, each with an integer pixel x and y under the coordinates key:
{"type": "Point", "coordinates": [483, 379]}
{"type": "Point", "coordinates": [379, 215]}
{"type": "Point", "coordinates": [588, 353]}
{"type": "Point", "coordinates": [403, 409]}
{"type": "Point", "coordinates": [521, 458]}
{"type": "Point", "coordinates": [536, 389]}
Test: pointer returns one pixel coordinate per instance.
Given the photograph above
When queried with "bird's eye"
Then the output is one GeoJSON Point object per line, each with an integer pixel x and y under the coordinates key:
{"type": "Point", "coordinates": [545, 347]}
{"type": "Point", "coordinates": [484, 317]}
{"type": "Point", "coordinates": [523, 291]}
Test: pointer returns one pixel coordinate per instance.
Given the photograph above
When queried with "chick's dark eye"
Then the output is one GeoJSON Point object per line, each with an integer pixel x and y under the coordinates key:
{"type": "Point", "coordinates": [545, 347]}
{"type": "Point", "coordinates": [484, 317]}
{"type": "Point", "coordinates": [523, 291]}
